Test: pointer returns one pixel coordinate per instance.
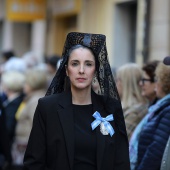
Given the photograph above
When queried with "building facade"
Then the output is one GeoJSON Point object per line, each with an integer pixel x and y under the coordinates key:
{"type": "Point", "coordinates": [136, 30]}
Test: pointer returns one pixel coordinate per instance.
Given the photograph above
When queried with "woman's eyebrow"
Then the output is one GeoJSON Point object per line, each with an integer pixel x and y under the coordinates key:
{"type": "Point", "coordinates": [89, 61]}
{"type": "Point", "coordinates": [85, 60]}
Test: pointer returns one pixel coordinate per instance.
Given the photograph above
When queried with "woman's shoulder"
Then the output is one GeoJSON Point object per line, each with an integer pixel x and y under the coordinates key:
{"type": "Point", "coordinates": [164, 114]}
{"type": "Point", "coordinates": [138, 109]}
{"type": "Point", "coordinates": [52, 98]}
{"type": "Point", "coordinates": [163, 110]}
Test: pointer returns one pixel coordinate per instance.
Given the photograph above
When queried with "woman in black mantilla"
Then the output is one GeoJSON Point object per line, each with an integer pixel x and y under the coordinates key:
{"type": "Point", "coordinates": [74, 128]}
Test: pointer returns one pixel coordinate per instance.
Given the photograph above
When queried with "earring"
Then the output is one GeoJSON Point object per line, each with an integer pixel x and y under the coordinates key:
{"type": "Point", "coordinates": [94, 79]}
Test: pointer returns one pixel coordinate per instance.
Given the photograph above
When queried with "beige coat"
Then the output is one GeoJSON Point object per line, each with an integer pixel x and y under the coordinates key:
{"type": "Point", "coordinates": [24, 125]}
{"type": "Point", "coordinates": [133, 116]}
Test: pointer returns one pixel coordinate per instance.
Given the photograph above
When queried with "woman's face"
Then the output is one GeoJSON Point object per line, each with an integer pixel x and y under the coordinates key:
{"type": "Point", "coordinates": [148, 87]}
{"type": "Point", "coordinates": [81, 68]}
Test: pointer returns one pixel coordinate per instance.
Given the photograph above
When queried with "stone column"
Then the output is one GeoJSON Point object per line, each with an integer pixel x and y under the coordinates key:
{"type": "Point", "coordinates": [7, 35]}
{"type": "Point", "coordinates": [140, 31]}
{"type": "Point", "coordinates": [38, 39]}
{"type": "Point", "coordinates": [159, 45]}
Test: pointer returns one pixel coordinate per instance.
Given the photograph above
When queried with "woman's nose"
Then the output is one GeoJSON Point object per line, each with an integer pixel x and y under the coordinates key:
{"type": "Point", "coordinates": [81, 70]}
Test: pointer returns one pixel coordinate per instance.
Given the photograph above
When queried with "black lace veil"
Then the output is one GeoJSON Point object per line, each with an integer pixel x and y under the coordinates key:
{"type": "Point", "coordinates": [97, 43]}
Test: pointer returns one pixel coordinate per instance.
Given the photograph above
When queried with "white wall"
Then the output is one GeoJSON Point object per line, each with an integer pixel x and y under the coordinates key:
{"type": "Point", "coordinates": [2, 7]}
{"type": "Point", "coordinates": [159, 45]}
{"type": "Point", "coordinates": [38, 39]}
{"type": "Point", "coordinates": [21, 38]}
{"type": "Point", "coordinates": [7, 35]}
{"type": "Point", "coordinates": [122, 36]}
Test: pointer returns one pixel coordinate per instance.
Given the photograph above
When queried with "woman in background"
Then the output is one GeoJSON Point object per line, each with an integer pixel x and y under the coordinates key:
{"type": "Point", "coordinates": [34, 88]}
{"type": "Point", "coordinates": [12, 85]}
{"type": "Point", "coordinates": [147, 81]}
{"type": "Point", "coordinates": [133, 103]}
{"type": "Point", "coordinates": [165, 165]}
{"type": "Point", "coordinates": [155, 133]}
{"type": "Point", "coordinates": [147, 84]}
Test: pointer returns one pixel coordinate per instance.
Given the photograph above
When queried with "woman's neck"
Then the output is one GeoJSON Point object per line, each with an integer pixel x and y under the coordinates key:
{"type": "Point", "coordinates": [152, 98]}
{"type": "Point", "coordinates": [81, 97]}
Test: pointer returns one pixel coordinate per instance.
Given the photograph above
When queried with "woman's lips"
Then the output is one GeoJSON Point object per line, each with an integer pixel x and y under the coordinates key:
{"type": "Point", "coordinates": [81, 79]}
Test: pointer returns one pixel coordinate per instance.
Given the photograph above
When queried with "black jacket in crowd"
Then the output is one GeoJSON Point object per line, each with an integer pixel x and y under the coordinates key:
{"type": "Point", "coordinates": [4, 138]}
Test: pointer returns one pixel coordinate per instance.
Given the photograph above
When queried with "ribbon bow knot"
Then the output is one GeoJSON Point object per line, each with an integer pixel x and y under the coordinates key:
{"type": "Point", "coordinates": [105, 121]}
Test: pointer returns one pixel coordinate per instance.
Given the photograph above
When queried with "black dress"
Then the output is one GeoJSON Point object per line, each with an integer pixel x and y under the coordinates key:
{"type": "Point", "coordinates": [85, 138]}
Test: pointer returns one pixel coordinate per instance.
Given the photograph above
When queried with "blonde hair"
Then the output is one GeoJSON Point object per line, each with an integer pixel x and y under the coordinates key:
{"type": "Point", "coordinates": [13, 80]}
{"type": "Point", "coordinates": [130, 75]}
{"type": "Point", "coordinates": [163, 75]}
{"type": "Point", "coordinates": [36, 79]}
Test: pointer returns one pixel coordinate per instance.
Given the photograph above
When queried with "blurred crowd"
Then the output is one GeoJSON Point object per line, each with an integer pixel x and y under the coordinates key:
{"type": "Point", "coordinates": [145, 98]}
{"type": "Point", "coordinates": [23, 80]}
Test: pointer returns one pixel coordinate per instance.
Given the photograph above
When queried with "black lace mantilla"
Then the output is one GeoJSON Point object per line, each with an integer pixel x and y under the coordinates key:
{"type": "Point", "coordinates": [97, 43]}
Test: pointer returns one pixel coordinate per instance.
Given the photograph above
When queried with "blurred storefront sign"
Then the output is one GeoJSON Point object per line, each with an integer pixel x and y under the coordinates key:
{"type": "Point", "coordinates": [63, 8]}
{"type": "Point", "coordinates": [25, 10]}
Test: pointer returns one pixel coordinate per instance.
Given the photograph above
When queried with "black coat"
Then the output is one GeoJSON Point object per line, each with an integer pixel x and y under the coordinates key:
{"type": "Point", "coordinates": [153, 138]}
{"type": "Point", "coordinates": [51, 143]}
{"type": "Point", "coordinates": [10, 111]}
{"type": "Point", "coordinates": [4, 138]}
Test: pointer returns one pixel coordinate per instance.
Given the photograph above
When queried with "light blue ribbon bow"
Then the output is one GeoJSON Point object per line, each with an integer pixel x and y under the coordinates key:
{"type": "Point", "coordinates": [100, 119]}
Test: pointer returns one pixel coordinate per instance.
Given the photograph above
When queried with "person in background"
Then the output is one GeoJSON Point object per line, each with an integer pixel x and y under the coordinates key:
{"type": "Point", "coordinates": [147, 82]}
{"type": "Point", "coordinates": [33, 61]}
{"type": "Point", "coordinates": [5, 153]}
{"type": "Point", "coordinates": [12, 85]}
{"type": "Point", "coordinates": [6, 55]}
{"type": "Point", "coordinates": [73, 127]}
{"type": "Point", "coordinates": [155, 132]}
{"type": "Point", "coordinates": [134, 104]}
{"type": "Point", "coordinates": [34, 88]}
{"type": "Point", "coordinates": [16, 64]}
{"type": "Point", "coordinates": [51, 63]}
{"type": "Point", "coordinates": [30, 59]}
{"type": "Point", "coordinates": [165, 165]}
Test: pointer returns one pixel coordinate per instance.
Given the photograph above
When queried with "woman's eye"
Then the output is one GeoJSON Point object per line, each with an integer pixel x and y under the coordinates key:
{"type": "Point", "coordinates": [74, 64]}
{"type": "Point", "coordinates": [89, 64]}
